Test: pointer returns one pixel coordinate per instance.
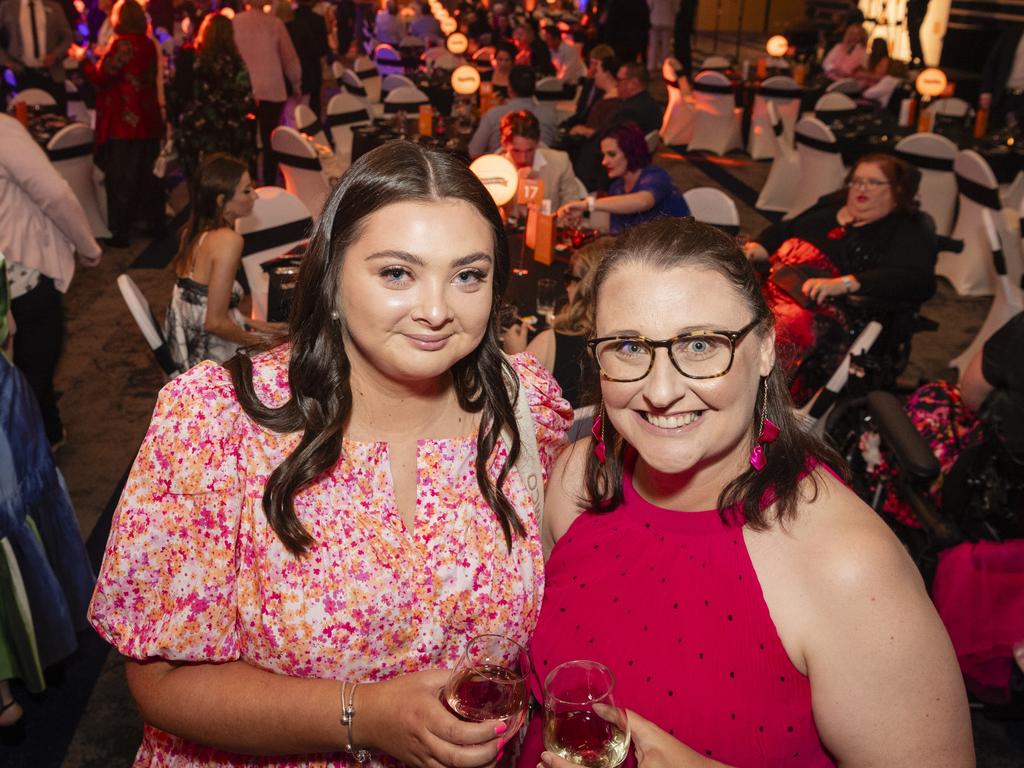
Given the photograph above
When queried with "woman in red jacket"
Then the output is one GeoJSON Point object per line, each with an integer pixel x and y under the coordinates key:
{"type": "Point", "coordinates": [129, 125]}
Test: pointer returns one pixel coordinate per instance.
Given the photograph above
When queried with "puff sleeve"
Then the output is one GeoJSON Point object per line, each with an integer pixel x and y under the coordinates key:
{"type": "Point", "coordinates": [167, 584]}
{"type": "Point", "coordinates": [552, 413]}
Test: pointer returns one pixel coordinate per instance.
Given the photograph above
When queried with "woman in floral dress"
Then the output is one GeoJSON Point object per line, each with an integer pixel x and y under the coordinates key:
{"type": "Point", "coordinates": [348, 507]}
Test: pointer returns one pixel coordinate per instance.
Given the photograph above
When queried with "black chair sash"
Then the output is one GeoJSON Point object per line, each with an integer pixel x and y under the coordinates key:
{"type": "Point", "coordinates": [362, 74]}
{"type": "Point", "coordinates": [980, 194]}
{"type": "Point", "coordinates": [391, 107]}
{"type": "Point", "coordinates": [999, 261]}
{"type": "Point", "coordinates": [706, 88]}
{"type": "Point", "coordinates": [347, 118]}
{"type": "Point", "coordinates": [275, 237]}
{"type": "Point", "coordinates": [355, 90]}
{"type": "Point", "coordinates": [780, 93]}
{"type": "Point", "coordinates": [828, 115]}
{"type": "Point", "coordinates": [67, 153]}
{"type": "Point", "coordinates": [831, 147]}
{"type": "Point", "coordinates": [297, 161]}
{"type": "Point", "coordinates": [925, 162]}
{"type": "Point", "coordinates": [549, 95]}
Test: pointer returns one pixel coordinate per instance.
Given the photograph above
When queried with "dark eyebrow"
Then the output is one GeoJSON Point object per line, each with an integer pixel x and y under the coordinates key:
{"type": "Point", "coordinates": [410, 258]}
{"type": "Point", "coordinates": [681, 332]}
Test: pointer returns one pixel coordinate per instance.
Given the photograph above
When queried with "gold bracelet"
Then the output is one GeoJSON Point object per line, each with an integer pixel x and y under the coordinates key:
{"type": "Point", "coordinates": [348, 713]}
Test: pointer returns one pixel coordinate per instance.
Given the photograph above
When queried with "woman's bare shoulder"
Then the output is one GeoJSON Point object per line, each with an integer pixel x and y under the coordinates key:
{"type": "Point", "coordinates": [566, 489]}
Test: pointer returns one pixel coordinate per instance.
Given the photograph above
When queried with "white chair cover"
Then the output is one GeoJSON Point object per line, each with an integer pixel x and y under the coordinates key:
{"type": "Point", "coordinates": [1013, 195]}
{"type": "Point", "coordinates": [821, 165]}
{"type": "Point", "coordinates": [1003, 233]}
{"type": "Point", "coordinates": [307, 122]}
{"type": "Point", "coordinates": [971, 271]}
{"type": "Point", "coordinates": [300, 166]}
{"type": "Point", "coordinates": [550, 89]}
{"type": "Point", "coordinates": [405, 98]}
{"type": "Point", "coordinates": [388, 59]}
{"type": "Point", "coordinates": [780, 187]}
{"type": "Point", "coordinates": [143, 316]}
{"type": "Point", "coordinates": [278, 222]}
{"type": "Point", "coordinates": [390, 82]}
{"type": "Point", "coordinates": [716, 64]}
{"type": "Point", "coordinates": [712, 206]}
{"type": "Point", "coordinates": [952, 107]}
{"type": "Point", "coordinates": [718, 123]}
{"type": "Point", "coordinates": [350, 83]}
{"type": "Point", "coordinates": [847, 85]}
{"type": "Point", "coordinates": [933, 155]}
{"type": "Point", "coordinates": [785, 94]}
{"type": "Point", "coordinates": [77, 110]}
{"type": "Point", "coordinates": [881, 92]}
{"type": "Point", "coordinates": [834, 106]}
{"type": "Point", "coordinates": [71, 152]}
{"type": "Point", "coordinates": [681, 112]}
{"type": "Point", "coordinates": [345, 111]}
{"type": "Point", "coordinates": [369, 76]}
{"type": "Point", "coordinates": [34, 97]}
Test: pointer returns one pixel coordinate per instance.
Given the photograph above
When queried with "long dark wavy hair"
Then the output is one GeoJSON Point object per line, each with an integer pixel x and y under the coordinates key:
{"type": "Point", "coordinates": [319, 369]}
{"type": "Point", "coordinates": [212, 187]}
{"type": "Point", "coordinates": [669, 243]}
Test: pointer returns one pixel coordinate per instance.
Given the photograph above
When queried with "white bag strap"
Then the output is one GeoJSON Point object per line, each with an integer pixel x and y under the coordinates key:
{"type": "Point", "coordinates": [528, 463]}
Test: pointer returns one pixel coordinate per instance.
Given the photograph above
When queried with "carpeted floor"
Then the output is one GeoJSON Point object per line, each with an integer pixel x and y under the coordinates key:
{"type": "Point", "coordinates": [109, 383]}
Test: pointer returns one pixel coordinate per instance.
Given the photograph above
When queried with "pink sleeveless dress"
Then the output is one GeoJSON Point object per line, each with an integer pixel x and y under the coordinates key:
{"type": "Point", "coordinates": [671, 603]}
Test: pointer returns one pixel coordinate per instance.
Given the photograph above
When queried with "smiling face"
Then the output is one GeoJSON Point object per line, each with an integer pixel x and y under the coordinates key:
{"type": "Point", "coordinates": [870, 196]}
{"type": "Point", "coordinates": [678, 425]}
{"type": "Point", "coordinates": [414, 299]}
{"type": "Point", "coordinates": [613, 158]}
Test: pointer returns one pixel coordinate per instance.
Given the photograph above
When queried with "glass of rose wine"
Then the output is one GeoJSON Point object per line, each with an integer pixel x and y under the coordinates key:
{"type": "Point", "coordinates": [583, 723]}
{"type": "Point", "coordinates": [489, 683]}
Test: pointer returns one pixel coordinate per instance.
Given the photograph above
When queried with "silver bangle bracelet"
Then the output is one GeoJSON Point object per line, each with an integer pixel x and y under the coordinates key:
{"type": "Point", "coordinates": [348, 713]}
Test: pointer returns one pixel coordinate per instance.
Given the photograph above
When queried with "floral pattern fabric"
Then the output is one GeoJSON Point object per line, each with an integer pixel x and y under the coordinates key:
{"type": "Point", "coordinates": [194, 573]}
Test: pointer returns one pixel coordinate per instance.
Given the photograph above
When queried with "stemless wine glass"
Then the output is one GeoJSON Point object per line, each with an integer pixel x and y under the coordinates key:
{"type": "Point", "coordinates": [548, 293]}
{"type": "Point", "coordinates": [489, 682]}
{"type": "Point", "coordinates": [583, 723]}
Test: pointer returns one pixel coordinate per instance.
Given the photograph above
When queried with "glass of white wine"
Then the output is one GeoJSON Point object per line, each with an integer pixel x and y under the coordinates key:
{"type": "Point", "coordinates": [583, 722]}
{"type": "Point", "coordinates": [489, 683]}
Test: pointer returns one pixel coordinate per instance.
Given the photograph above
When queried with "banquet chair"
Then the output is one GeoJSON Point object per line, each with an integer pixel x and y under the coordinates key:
{"type": "Point", "coordinates": [718, 123]}
{"type": "Point", "coordinates": [712, 206]}
{"type": "Point", "coordinates": [970, 272]}
{"type": "Point", "coordinates": [71, 152]}
{"type": "Point", "coordinates": [77, 110]}
{"type": "Point", "coordinates": [882, 92]}
{"type": "Point", "coordinates": [1003, 232]}
{"type": "Point", "coordinates": [405, 98]}
{"type": "Point", "coordinates": [847, 85]}
{"type": "Point", "coordinates": [785, 94]}
{"type": "Point", "coordinates": [350, 83]}
{"type": "Point", "coordinates": [715, 64]}
{"type": "Point", "coordinates": [388, 60]}
{"type": "Point", "coordinates": [300, 166]}
{"type": "Point", "coordinates": [834, 106]}
{"type": "Point", "coordinates": [1013, 194]}
{"type": "Point", "coordinates": [34, 97]}
{"type": "Point", "coordinates": [278, 222]}
{"type": "Point", "coordinates": [412, 41]}
{"type": "Point", "coordinates": [446, 61]}
{"type": "Point", "coordinates": [369, 76]}
{"type": "Point", "coordinates": [308, 123]}
{"type": "Point", "coordinates": [821, 165]}
{"type": "Point", "coordinates": [390, 82]}
{"type": "Point", "coordinates": [933, 156]}
{"type": "Point", "coordinates": [681, 111]}
{"type": "Point", "coordinates": [950, 106]}
{"type": "Point", "coordinates": [483, 55]}
{"type": "Point", "coordinates": [151, 331]}
{"type": "Point", "coordinates": [780, 187]}
{"type": "Point", "coordinates": [549, 89]}
{"type": "Point", "coordinates": [344, 112]}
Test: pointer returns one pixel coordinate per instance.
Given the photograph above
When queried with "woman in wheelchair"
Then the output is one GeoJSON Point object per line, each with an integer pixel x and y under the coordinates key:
{"type": "Point", "coordinates": [869, 241]}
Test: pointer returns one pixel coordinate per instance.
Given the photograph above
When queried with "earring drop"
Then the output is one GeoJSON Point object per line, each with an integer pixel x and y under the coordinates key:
{"type": "Point", "coordinates": [597, 430]}
{"type": "Point", "coordinates": [767, 434]}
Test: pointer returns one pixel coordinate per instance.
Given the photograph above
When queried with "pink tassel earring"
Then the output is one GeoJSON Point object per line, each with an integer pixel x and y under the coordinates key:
{"type": "Point", "coordinates": [768, 432]}
{"type": "Point", "coordinates": [597, 431]}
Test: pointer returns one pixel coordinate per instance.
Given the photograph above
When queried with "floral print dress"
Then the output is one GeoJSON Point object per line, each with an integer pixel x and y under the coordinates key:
{"type": "Point", "coordinates": [194, 573]}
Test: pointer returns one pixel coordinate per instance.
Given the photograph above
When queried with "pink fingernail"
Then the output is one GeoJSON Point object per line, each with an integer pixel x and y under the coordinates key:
{"type": "Point", "coordinates": [500, 752]}
{"type": "Point", "coordinates": [499, 729]}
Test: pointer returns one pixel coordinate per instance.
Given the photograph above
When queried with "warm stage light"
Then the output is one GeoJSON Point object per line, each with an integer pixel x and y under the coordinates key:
{"type": "Point", "coordinates": [465, 80]}
{"type": "Point", "coordinates": [498, 175]}
{"type": "Point", "coordinates": [931, 82]}
{"type": "Point", "coordinates": [777, 46]}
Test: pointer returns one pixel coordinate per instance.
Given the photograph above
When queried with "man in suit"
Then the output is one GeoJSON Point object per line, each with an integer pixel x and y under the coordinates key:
{"type": "Point", "coordinates": [1002, 79]}
{"type": "Point", "coordinates": [589, 92]}
{"type": "Point", "coordinates": [522, 83]}
{"type": "Point", "coordinates": [308, 31]}
{"type": "Point", "coordinates": [36, 37]}
{"type": "Point", "coordinates": [638, 106]}
{"type": "Point", "coordinates": [520, 139]}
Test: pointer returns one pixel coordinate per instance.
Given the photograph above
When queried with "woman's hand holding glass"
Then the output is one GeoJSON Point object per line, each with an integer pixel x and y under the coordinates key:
{"type": "Point", "coordinates": [572, 212]}
{"type": "Point", "coordinates": [489, 683]}
{"type": "Point", "coordinates": [583, 722]}
{"type": "Point", "coordinates": [406, 718]}
{"type": "Point", "coordinates": [822, 289]}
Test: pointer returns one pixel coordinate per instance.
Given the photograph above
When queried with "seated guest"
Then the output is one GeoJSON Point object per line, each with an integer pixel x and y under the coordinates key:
{"type": "Point", "coordinates": [639, 190]}
{"type": "Point", "coordinates": [504, 54]}
{"type": "Point", "coordinates": [388, 26]}
{"type": "Point", "coordinates": [590, 92]}
{"type": "Point", "coordinates": [847, 56]}
{"type": "Point", "coordinates": [638, 106]}
{"type": "Point", "coordinates": [746, 600]}
{"type": "Point", "coordinates": [520, 137]}
{"type": "Point", "coordinates": [606, 108]}
{"type": "Point", "coordinates": [530, 51]}
{"type": "Point", "coordinates": [564, 55]}
{"type": "Point", "coordinates": [562, 349]}
{"type": "Point", "coordinates": [424, 25]}
{"type": "Point", "coordinates": [522, 82]}
{"type": "Point", "coordinates": [1002, 80]}
{"type": "Point", "coordinates": [869, 241]}
{"type": "Point", "coordinates": [877, 64]}
{"type": "Point", "coordinates": [203, 319]}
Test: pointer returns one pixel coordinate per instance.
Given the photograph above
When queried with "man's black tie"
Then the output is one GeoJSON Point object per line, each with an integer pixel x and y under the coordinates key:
{"type": "Point", "coordinates": [35, 29]}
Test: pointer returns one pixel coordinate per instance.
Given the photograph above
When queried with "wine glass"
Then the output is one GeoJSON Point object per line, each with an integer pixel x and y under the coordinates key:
{"type": "Point", "coordinates": [548, 293]}
{"type": "Point", "coordinates": [489, 683]}
{"type": "Point", "coordinates": [583, 723]}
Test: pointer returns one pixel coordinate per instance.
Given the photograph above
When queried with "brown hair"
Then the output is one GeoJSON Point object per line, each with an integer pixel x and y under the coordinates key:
{"type": "Point", "coordinates": [216, 38]}
{"type": "Point", "coordinates": [669, 243]}
{"type": "Point", "coordinates": [319, 368]}
{"type": "Point", "coordinates": [577, 317]}
{"type": "Point", "coordinates": [128, 18]}
{"type": "Point", "coordinates": [212, 187]}
{"type": "Point", "coordinates": [519, 123]}
{"type": "Point", "coordinates": [903, 179]}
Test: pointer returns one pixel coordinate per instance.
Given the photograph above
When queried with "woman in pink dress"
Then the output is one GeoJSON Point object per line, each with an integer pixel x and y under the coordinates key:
{"type": "Point", "coordinates": [748, 603]}
{"type": "Point", "coordinates": [311, 533]}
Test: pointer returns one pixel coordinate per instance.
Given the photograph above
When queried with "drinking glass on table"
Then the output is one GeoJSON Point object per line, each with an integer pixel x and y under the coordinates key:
{"type": "Point", "coordinates": [489, 683]}
{"type": "Point", "coordinates": [548, 293]}
{"type": "Point", "coordinates": [583, 722]}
